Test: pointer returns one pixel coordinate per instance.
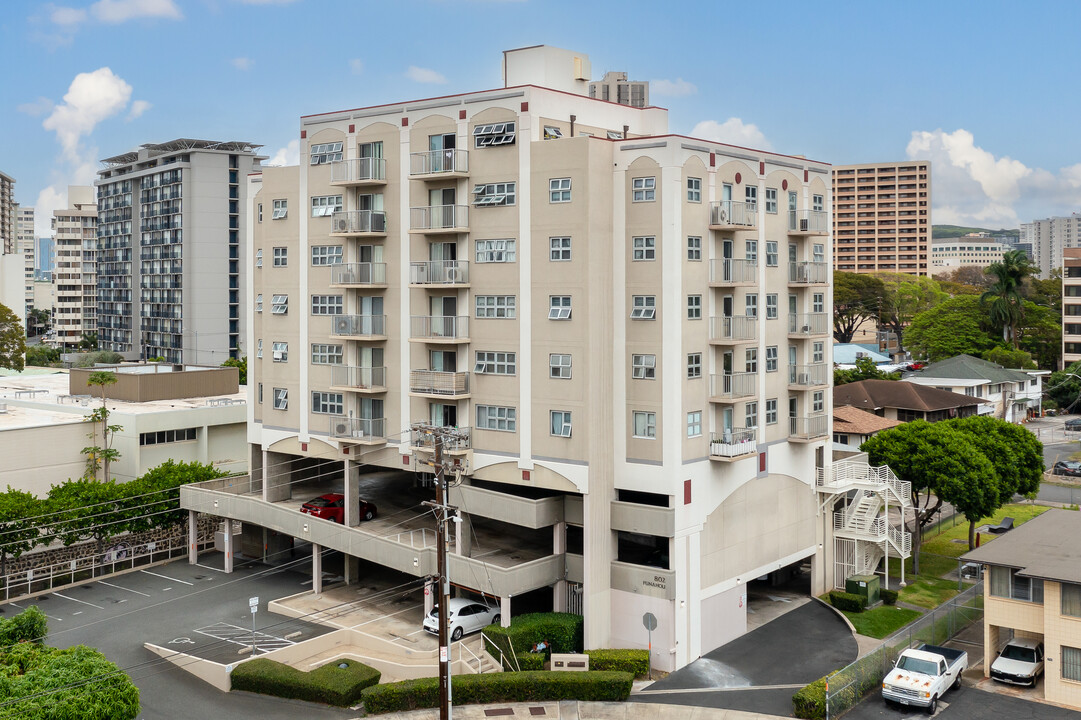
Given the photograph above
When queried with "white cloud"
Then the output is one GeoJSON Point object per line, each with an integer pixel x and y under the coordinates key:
{"type": "Point", "coordinates": [288, 155]}
{"type": "Point", "coordinates": [118, 11]}
{"type": "Point", "coordinates": [67, 16]}
{"type": "Point", "coordinates": [424, 75]}
{"type": "Point", "coordinates": [36, 108]}
{"type": "Point", "coordinates": [91, 98]}
{"type": "Point", "coordinates": [356, 66]}
{"type": "Point", "coordinates": [54, 197]}
{"type": "Point", "coordinates": [672, 88]}
{"type": "Point", "coordinates": [138, 108]}
{"type": "Point", "coordinates": [242, 63]}
{"type": "Point", "coordinates": [732, 131]}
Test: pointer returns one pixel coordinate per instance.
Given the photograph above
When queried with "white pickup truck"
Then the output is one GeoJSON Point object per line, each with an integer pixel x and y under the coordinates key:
{"type": "Point", "coordinates": [923, 675]}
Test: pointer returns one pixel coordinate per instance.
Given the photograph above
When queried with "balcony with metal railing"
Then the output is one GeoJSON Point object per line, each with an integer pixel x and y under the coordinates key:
{"type": "Point", "coordinates": [808, 222]}
{"type": "Point", "coordinates": [729, 387]}
{"type": "Point", "coordinates": [439, 219]}
{"type": "Point", "coordinates": [732, 215]}
{"type": "Point", "coordinates": [808, 324]}
{"type": "Point", "coordinates": [363, 431]}
{"type": "Point", "coordinates": [439, 328]}
{"type": "Point", "coordinates": [808, 273]}
{"type": "Point", "coordinates": [730, 329]}
{"type": "Point", "coordinates": [359, 327]}
{"type": "Point", "coordinates": [808, 428]}
{"type": "Point", "coordinates": [727, 272]}
{"type": "Point", "coordinates": [367, 380]}
{"type": "Point", "coordinates": [733, 443]}
{"type": "Point", "coordinates": [439, 164]}
{"type": "Point", "coordinates": [358, 223]}
{"type": "Point", "coordinates": [435, 383]}
{"type": "Point", "coordinates": [805, 377]}
{"type": "Point", "coordinates": [359, 171]}
{"type": "Point", "coordinates": [359, 275]}
{"type": "Point", "coordinates": [459, 442]}
{"type": "Point", "coordinates": [439, 273]}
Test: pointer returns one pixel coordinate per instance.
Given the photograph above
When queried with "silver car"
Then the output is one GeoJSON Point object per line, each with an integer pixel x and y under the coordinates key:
{"type": "Point", "coordinates": [463, 616]}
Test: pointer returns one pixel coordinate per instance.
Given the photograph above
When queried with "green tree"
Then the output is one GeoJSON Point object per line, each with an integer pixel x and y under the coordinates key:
{"type": "Point", "coordinates": [104, 452]}
{"type": "Point", "coordinates": [905, 297]}
{"type": "Point", "coordinates": [1016, 359]}
{"type": "Point", "coordinates": [241, 364]}
{"type": "Point", "coordinates": [1003, 299]}
{"type": "Point", "coordinates": [1047, 293]}
{"type": "Point", "coordinates": [12, 340]}
{"type": "Point", "coordinates": [153, 500]}
{"type": "Point", "coordinates": [1040, 334]}
{"type": "Point", "coordinates": [38, 321]}
{"type": "Point", "coordinates": [1064, 387]}
{"type": "Point", "coordinates": [865, 370]}
{"type": "Point", "coordinates": [971, 277]}
{"type": "Point", "coordinates": [951, 328]}
{"type": "Point", "coordinates": [29, 626]}
{"type": "Point", "coordinates": [103, 357]}
{"type": "Point", "coordinates": [856, 299]}
{"type": "Point", "coordinates": [86, 510]}
{"type": "Point", "coordinates": [19, 532]}
{"type": "Point", "coordinates": [942, 465]}
{"type": "Point", "coordinates": [89, 341]}
{"type": "Point", "coordinates": [42, 355]}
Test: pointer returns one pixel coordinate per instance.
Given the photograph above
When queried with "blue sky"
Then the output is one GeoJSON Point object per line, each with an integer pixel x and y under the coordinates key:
{"type": "Point", "coordinates": [987, 91]}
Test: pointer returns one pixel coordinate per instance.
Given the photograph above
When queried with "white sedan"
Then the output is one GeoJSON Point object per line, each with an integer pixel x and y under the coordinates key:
{"type": "Point", "coordinates": [463, 616]}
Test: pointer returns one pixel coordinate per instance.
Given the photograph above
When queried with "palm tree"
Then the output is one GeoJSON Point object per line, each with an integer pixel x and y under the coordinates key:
{"type": "Point", "coordinates": [1006, 303]}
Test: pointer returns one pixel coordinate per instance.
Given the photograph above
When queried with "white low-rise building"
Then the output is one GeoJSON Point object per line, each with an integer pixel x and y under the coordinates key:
{"type": "Point", "coordinates": [1010, 393]}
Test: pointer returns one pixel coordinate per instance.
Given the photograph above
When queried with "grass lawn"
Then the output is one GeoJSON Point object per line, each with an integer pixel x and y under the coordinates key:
{"type": "Point", "coordinates": [882, 621]}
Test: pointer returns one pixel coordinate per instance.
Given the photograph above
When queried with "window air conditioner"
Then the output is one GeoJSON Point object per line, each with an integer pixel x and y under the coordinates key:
{"type": "Point", "coordinates": [278, 355]}
{"type": "Point", "coordinates": [803, 379]}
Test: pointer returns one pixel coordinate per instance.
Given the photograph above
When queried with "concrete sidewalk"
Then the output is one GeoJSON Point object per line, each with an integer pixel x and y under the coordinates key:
{"type": "Point", "coordinates": [574, 710]}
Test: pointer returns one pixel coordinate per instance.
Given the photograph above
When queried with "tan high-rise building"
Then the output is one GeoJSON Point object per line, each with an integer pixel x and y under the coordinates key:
{"type": "Point", "coordinates": [75, 275]}
{"type": "Point", "coordinates": [630, 336]}
{"type": "Point", "coordinates": [1071, 306]}
{"type": "Point", "coordinates": [882, 217]}
{"type": "Point", "coordinates": [8, 244]}
{"type": "Point", "coordinates": [24, 236]}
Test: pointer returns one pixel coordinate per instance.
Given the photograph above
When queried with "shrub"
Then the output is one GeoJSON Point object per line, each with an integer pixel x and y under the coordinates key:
{"type": "Point", "coordinates": [810, 701]}
{"type": "Point", "coordinates": [889, 597]}
{"type": "Point", "coordinates": [635, 662]}
{"type": "Point", "coordinates": [846, 601]}
{"type": "Point", "coordinates": [499, 687]}
{"type": "Point", "coordinates": [30, 625]}
{"type": "Point", "coordinates": [564, 630]}
{"type": "Point", "coordinates": [326, 684]}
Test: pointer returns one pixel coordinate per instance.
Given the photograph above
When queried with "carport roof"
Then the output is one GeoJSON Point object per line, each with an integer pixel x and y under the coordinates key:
{"type": "Point", "coordinates": [1044, 547]}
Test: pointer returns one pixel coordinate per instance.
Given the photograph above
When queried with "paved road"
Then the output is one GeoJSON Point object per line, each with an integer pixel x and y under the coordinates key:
{"type": "Point", "coordinates": [759, 671]}
{"type": "Point", "coordinates": [968, 703]}
{"type": "Point", "coordinates": [174, 602]}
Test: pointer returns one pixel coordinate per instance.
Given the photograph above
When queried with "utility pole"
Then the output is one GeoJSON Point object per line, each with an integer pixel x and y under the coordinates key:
{"type": "Point", "coordinates": [439, 435]}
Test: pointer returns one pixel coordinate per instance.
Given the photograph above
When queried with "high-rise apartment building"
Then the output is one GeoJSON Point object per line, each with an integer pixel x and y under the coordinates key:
{"type": "Point", "coordinates": [615, 87]}
{"type": "Point", "coordinates": [24, 235]}
{"type": "Point", "coordinates": [1049, 237]}
{"type": "Point", "coordinates": [882, 217]}
{"type": "Point", "coordinates": [44, 258]}
{"type": "Point", "coordinates": [1071, 306]}
{"type": "Point", "coordinates": [8, 244]}
{"type": "Point", "coordinates": [631, 337]}
{"type": "Point", "coordinates": [75, 238]}
{"type": "Point", "coordinates": [170, 275]}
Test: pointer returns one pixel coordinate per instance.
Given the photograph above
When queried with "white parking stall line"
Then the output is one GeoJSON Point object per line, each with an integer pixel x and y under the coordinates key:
{"type": "Point", "coordinates": [82, 602]}
{"type": "Point", "coordinates": [239, 636]}
{"type": "Point", "coordinates": [121, 587]}
{"type": "Point", "coordinates": [207, 567]}
{"type": "Point", "coordinates": [166, 577]}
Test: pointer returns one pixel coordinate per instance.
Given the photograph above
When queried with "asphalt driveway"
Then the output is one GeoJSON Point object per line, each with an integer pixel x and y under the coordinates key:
{"type": "Point", "coordinates": [759, 671]}
{"type": "Point", "coordinates": [968, 703]}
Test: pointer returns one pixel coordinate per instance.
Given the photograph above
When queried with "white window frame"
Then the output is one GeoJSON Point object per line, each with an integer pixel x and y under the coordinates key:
{"type": "Point", "coordinates": [259, 348]}
{"type": "Point", "coordinates": [771, 201]}
{"type": "Point", "coordinates": [750, 196]}
{"type": "Point", "coordinates": [694, 365]}
{"type": "Point", "coordinates": [643, 367]}
{"type": "Point", "coordinates": [281, 257]}
{"type": "Point", "coordinates": [280, 210]}
{"type": "Point", "coordinates": [490, 417]}
{"type": "Point", "coordinates": [560, 366]}
{"type": "Point", "coordinates": [326, 205]}
{"type": "Point", "coordinates": [818, 303]}
{"type": "Point", "coordinates": [559, 307]}
{"type": "Point", "coordinates": [551, 132]}
{"type": "Point", "coordinates": [494, 194]}
{"type": "Point", "coordinates": [326, 255]}
{"type": "Point", "coordinates": [559, 190]}
{"type": "Point", "coordinates": [499, 250]}
{"type": "Point", "coordinates": [694, 189]}
{"type": "Point", "coordinates": [563, 429]}
{"type": "Point", "coordinates": [643, 307]}
{"type": "Point", "coordinates": [818, 401]}
{"type": "Point", "coordinates": [279, 304]}
{"type": "Point", "coordinates": [644, 248]}
{"type": "Point", "coordinates": [327, 403]}
{"type": "Point", "coordinates": [818, 352]}
{"type": "Point", "coordinates": [324, 153]}
{"type": "Point", "coordinates": [772, 310]}
{"type": "Point", "coordinates": [750, 360]}
{"type": "Point", "coordinates": [328, 304]}
{"type": "Point", "coordinates": [496, 307]}
{"type": "Point", "coordinates": [494, 134]}
{"type": "Point", "coordinates": [259, 303]}
{"type": "Point", "coordinates": [281, 398]}
{"type": "Point", "coordinates": [694, 307]}
{"type": "Point", "coordinates": [772, 358]}
{"type": "Point", "coordinates": [750, 415]}
{"type": "Point", "coordinates": [750, 251]}
{"type": "Point", "coordinates": [327, 354]}
{"type": "Point", "coordinates": [818, 203]}
{"type": "Point", "coordinates": [643, 189]}
{"type": "Point", "coordinates": [771, 411]}
{"type": "Point", "coordinates": [694, 248]}
{"type": "Point", "coordinates": [694, 424]}
{"type": "Point", "coordinates": [496, 362]}
{"type": "Point", "coordinates": [648, 422]}
{"type": "Point", "coordinates": [280, 351]}
{"type": "Point", "coordinates": [259, 258]}
{"type": "Point", "coordinates": [772, 254]}
{"type": "Point", "coordinates": [559, 249]}
{"type": "Point", "coordinates": [750, 304]}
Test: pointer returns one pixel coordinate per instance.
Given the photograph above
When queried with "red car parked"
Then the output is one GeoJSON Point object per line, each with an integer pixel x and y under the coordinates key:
{"type": "Point", "coordinates": [332, 507]}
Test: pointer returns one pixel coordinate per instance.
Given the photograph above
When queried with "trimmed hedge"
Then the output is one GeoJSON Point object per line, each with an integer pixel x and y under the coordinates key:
{"type": "Point", "coordinates": [889, 597]}
{"type": "Point", "coordinates": [31, 625]}
{"type": "Point", "coordinates": [564, 630]}
{"type": "Point", "coordinates": [846, 601]}
{"type": "Point", "coordinates": [326, 684]}
{"type": "Point", "coordinates": [809, 702]}
{"type": "Point", "coordinates": [499, 687]}
{"type": "Point", "coordinates": [635, 662]}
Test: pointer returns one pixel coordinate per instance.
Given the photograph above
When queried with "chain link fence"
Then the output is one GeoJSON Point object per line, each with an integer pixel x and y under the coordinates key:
{"type": "Point", "coordinates": [851, 684]}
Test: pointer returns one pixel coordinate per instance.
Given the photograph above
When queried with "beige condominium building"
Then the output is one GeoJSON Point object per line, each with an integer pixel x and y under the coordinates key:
{"type": "Point", "coordinates": [629, 328]}
{"type": "Point", "coordinates": [1071, 306]}
{"type": "Point", "coordinates": [24, 235]}
{"type": "Point", "coordinates": [882, 217]}
{"type": "Point", "coordinates": [75, 274]}
{"type": "Point", "coordinates": [7, 216]}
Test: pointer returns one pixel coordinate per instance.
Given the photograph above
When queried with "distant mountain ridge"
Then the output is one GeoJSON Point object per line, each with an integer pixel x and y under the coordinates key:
{"type": "Point", "coordinates": [943, 232]}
